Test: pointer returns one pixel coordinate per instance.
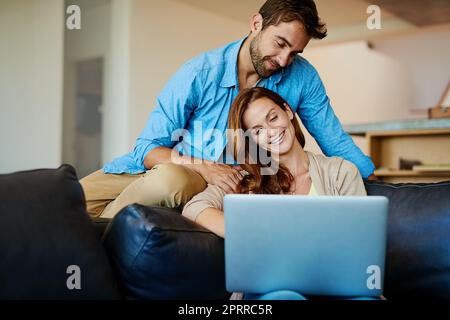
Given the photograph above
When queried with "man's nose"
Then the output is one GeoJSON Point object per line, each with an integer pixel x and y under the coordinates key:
{"type": "Point", "coordinates": [283, 60]}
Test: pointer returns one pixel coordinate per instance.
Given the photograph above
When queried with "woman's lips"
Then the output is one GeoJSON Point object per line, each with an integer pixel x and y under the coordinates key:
{"type": "Point", "coordinates": [279, 139]}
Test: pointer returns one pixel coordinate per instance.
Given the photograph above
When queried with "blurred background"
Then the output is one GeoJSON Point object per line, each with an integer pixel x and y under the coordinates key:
{"type": "Point", "coordinates": [83, 96]}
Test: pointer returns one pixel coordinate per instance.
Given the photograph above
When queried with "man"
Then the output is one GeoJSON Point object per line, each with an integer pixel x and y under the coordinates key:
{"type": "Point", "coordinates": [200, 95]}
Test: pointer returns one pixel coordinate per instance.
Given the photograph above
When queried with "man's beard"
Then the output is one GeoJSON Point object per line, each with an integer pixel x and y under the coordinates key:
{"type": "Point", "coordinates": [258, 60]}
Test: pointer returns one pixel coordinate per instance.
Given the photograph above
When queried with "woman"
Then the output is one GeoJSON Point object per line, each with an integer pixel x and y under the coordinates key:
{"type": "Point", "coordinates": [272, 127]}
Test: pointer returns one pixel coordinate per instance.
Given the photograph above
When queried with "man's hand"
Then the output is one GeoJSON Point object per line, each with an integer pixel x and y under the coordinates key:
{"type": "Point", "coordinates": [224, 176]}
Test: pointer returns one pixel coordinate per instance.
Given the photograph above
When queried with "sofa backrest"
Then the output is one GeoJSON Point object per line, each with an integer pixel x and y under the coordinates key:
{"type": "Point", "coordinates": [418, 246]}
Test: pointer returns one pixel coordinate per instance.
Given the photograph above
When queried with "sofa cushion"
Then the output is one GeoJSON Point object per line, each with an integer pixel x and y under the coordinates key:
{"type": "Point", "coordinates": [159, 254]}
{"type": "Point", "coordinates": [418, 249]}
{"type": "Point", "coordinates": [44, 230]}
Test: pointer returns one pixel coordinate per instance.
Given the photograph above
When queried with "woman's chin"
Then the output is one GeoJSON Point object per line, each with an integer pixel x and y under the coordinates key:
{"type": "Point", "coordinates": [281, 150]}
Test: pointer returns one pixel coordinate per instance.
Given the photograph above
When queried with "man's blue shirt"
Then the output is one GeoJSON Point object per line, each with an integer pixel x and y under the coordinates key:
{"type": "Point", "coordinates": [198, 97]}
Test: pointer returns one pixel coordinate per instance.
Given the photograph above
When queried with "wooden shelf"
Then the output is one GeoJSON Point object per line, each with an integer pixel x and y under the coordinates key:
{"type": "Point", "coordinates": [428, 146]}
{"type": "Point", "coordinates": [409, 173]}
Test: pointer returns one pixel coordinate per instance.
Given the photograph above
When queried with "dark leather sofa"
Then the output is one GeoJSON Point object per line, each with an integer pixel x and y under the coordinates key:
{"type": "Point", "coordinates": [155, 253]}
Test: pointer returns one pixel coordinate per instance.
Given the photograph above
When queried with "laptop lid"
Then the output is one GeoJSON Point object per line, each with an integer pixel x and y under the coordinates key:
{"type": "Point", "coordinates": [323, 245]}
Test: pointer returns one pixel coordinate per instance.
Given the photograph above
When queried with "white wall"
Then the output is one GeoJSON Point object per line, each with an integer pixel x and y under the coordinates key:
{"type": "Point", "coordinates": [363, 85]}
{"type": "Point", "coordinates": [399, 75]}
{"type": "Point", "coordinates": [426, 56]}
{"type": "Point", "coordinates": [31, 64]}
{"type": "Point", "coordinates": [117, 86]}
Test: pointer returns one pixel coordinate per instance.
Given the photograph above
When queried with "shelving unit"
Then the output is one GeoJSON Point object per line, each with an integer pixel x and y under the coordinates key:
{"type": "Point", "coordinates": [386, 147]}
{"type": "Point", "coordinates": [428, 146]}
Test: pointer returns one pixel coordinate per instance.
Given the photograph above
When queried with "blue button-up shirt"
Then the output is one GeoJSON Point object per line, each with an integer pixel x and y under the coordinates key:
{"type": "Point", "coordinates": [198, 97]}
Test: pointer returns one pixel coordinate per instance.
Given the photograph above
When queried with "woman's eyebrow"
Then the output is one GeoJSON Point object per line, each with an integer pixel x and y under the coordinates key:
{"type": "Point", "coordinates": [267, 118]}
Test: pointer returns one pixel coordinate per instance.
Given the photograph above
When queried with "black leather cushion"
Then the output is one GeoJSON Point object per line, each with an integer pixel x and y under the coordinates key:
{"type": "Point", "coordinates": [159, 254]}
{"type": "Point", "coordinates": [418, 250]}
{"type": "Point", "coordinates": [100, 225]}
{"type": "Point", "coordinates": [44, 228]}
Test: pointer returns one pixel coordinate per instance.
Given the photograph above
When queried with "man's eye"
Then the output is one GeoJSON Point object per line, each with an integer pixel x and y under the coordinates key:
{"type": "Point", "coordinates": [279, 44]}
{"type": "Point", "coordinates": [274, 118]}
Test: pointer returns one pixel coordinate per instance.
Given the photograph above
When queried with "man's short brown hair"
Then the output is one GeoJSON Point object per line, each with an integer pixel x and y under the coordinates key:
{"type": "Point", "coordinates": [276, 11]}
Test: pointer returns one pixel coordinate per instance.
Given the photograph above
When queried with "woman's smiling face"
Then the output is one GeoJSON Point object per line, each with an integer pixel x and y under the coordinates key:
{"type": "Point", "coordinates": [270, 126]}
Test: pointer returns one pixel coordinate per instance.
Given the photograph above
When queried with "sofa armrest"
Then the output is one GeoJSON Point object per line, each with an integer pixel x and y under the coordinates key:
{"type": "Point", "coordinates": [45, 232]}
{"type": "Point", "coordinates": [159, 254]}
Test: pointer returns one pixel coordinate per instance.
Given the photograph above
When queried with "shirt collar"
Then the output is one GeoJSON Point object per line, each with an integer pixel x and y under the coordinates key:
{"type": "Point", "coordinates": [230, 76]}
{"type": "Point", "coordinates": [276, 77]}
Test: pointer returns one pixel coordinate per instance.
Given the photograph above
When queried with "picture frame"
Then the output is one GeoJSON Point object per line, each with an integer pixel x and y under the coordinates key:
{"type": "Point", "coordinates": [442, 110]}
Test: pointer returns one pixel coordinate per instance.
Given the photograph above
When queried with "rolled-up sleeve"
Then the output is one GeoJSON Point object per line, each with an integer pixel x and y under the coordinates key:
{"type": "Point", "coordinates": [319, 118]}
{"type": "Point", "coordinates": [211, 197]}
{"type": "Point", "coordinates": [173, 108]}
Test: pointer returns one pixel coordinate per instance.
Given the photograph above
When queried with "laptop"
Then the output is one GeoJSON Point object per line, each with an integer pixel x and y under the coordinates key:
{"type": "Point", "coordinates": [320, 245]}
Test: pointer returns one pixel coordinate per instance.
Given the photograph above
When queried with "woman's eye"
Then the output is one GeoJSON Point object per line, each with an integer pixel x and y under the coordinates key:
{"type": "Point", "coordinates": [279, 44]}
{"type": "Point", "coordinates": [274, 118]}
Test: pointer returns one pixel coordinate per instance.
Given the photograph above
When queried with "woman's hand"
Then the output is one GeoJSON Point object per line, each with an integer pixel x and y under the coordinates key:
{"type": "Point", "coordinates": [224, 176]}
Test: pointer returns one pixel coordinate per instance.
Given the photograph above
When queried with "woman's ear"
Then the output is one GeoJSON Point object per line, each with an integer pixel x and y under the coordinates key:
{"type": "Point", "coordinates": [289, 111]}
{"type": "Point", "coordinates": [256, 23]}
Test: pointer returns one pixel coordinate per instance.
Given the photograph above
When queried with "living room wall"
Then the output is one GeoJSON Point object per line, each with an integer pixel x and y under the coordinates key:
{"type": "Point", "coordinates": [31, 64]}
{"type": "Point", "coordinates": [425, 55]}
{"type": "Point", "coordinates": [399, 77]}
{"type": "Point", "coordinates": [363, 85]}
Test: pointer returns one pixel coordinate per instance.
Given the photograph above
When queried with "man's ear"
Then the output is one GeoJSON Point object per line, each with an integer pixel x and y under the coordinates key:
{"type": "Point", "coordinates": [289, 111]}
{"type": "Point", "coordinates": [256, 23]}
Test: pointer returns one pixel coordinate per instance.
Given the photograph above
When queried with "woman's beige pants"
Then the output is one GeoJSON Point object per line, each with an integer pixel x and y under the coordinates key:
{"type": "Point", "coordinates": [167, 185]}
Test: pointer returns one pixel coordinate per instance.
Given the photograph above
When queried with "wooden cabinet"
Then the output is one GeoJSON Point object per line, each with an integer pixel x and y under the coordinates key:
{"type": "Point", "coordinates": [429, 146]}
{"type": "Point", "coordinates": [423, 140]}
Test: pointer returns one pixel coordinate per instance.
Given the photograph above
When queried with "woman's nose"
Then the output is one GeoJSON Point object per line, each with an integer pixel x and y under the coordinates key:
{"type": "Point", "coordinates": [272, 133]}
